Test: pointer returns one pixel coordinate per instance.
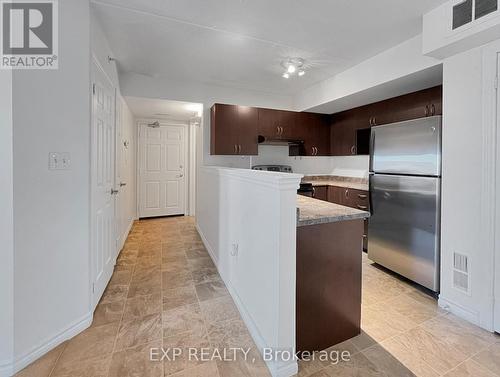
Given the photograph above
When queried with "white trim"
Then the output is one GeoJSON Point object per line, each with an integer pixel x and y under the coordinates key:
{"type": "Point", "coordinates": [6, 368]}
{"type": "Point", "coordinates": [489, 203]}
{"type": "Point", "coordinates": [459, 310]}
{"type": "Point", "coordinates": [69, 332]}
{"type": "Point", "coordinates": [188, 186]}
{"type": "Point", "coordinates": [276, 369]}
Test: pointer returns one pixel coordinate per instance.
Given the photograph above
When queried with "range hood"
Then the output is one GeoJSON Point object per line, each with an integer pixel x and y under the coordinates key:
{"type": "Point", "coordinates": [264, 140]}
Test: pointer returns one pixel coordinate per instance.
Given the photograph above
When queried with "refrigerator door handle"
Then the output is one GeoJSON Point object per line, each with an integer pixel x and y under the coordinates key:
{"type": "Point", "coordinates": [370, 190]}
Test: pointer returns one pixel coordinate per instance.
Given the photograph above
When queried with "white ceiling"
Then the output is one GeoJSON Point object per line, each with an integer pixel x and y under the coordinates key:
{"type": "Point", "coordinates": [240, 43]}
{"type": "Point", "coordinates": [147, 108]}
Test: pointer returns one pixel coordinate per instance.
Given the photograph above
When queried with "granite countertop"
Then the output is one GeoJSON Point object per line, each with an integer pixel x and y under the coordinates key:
{"type": "Point", "coordinates": [312, 211]}
{"type": "Point", "coordinates": [330, 180]}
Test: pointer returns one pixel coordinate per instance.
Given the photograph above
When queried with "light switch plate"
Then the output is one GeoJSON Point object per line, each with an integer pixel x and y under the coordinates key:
{"type": "Point", "coordinates": [59, 161]}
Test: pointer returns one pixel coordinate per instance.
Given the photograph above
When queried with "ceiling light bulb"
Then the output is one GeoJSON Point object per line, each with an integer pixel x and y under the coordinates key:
{"type": "Point", "coordinates": [291, 68]}
{"type": "Point", "coordinates": [302, 72]}
{"type": "Point", "coordinates": [286, 75]}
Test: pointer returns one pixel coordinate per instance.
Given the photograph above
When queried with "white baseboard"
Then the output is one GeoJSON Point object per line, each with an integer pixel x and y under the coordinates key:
{"type": "Point", "coordinates": [277, 369]}
{"type": "Point", "coordinates": [6, 368]}
{"type": "Point", "coordinates": [462, 312]}
{"type": "Point", "coordinates": [125, 235]}
{"type": "Point", "coordinates": [68, 333]}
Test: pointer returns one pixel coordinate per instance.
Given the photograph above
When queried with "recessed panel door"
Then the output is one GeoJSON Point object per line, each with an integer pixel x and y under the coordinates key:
{"type": "Point", "coordinates": [162, 171]}
{"type": "Point", "coordinates": [103, 231]}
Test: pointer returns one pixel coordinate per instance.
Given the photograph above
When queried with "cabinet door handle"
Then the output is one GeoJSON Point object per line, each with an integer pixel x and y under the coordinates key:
{"type": "Point", "coordinates": [353, 149]}
{"type": "Point", "coordinates": [427, 110]}
{"type": "Point", "coordinates": [278, 130]}
{"type": "Point", "coordinates": [364, 208]}
{"type": "Point", "coordinates": [374, 121]}
{"type": "Point", "coordinates": [239, 148]}
{"type": "Point", "coordinates": [312, 151]}
{"type": "Point", "coordinates": [433, 110]}
{"type": "Point", "coordinates": [346, 194]}
{"type": "Point", "coordinates": [317, 150]}
{"type": "Point", "coordinates": [235, 149]}
{"type": "Point", "coordinates": [314, 192]}
{"type": "Point", "coordinates": [362, 196]}
{"type": "Point", "coordinates": [371, 123]}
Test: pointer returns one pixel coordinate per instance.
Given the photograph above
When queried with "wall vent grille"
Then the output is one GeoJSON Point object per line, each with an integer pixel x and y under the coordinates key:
{"type": "Point", "coordinates": [462, 14]}
{"type": "Point", "coordinates": [461, 272]}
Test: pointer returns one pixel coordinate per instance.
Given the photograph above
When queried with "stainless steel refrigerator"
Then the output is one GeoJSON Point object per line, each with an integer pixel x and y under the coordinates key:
{"type": "Point", "coordinates": [405, 193]}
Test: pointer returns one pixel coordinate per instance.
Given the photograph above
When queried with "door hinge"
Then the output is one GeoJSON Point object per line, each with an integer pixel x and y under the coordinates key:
{"type": "Point", "coordinates": [496, 82]}
{"type": "Point", "coordinates": [93, 287]}
{"type": "Point", "coordinates": [93, 89]}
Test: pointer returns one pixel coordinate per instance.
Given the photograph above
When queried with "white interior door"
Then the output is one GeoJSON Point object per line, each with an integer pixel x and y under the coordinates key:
{"type": "Point", "coordinates": [162, 171]}
{"type": "Point", "coordinates": [119, 200]}
{"type": "Point", "coordinates": [102, 182]}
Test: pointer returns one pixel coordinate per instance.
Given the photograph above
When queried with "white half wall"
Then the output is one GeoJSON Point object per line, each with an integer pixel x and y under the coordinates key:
{"type": "Point", "coordinates": [6, 227]}
{"type": "Point", "coordinates": [247, 220]}
{"type": "Point", "coordinates": [51, 113]}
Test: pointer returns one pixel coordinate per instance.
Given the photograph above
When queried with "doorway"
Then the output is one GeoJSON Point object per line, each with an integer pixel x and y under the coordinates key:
{"type": "Point", "coordinates": [163, 169]}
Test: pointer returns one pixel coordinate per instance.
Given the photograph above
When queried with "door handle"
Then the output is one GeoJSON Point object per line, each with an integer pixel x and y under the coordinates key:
{"type": "Point", "coordinates": [364, 208]}
{"type": "Point", "coordinates": [346, 193]}
{"type": "Point", "coordinates": [427, 110]}
{"type": "Point", "coordinates": [353, 149]}
{"type": "Point", "coordinates": [278, 130]}
{"type": "Point", "coordinates": [235, 149]}
{"type": "Point", "coordinates": [179, 176]}
{"type": "Point", "coordinates": [433, 110]}
{"type": "Point", "coordinates": [114, 192]}
{"type": "Point", "coordinates": [315, 151]}
{"type": "Point", "coordinates": [123, 184]}
{"type": "Point", "coordinates": [239, 148]}
{"type": "Point", "coordinates": [362, 196]}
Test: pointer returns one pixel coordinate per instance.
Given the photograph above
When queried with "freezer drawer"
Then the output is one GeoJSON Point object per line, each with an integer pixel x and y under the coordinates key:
{"type": "Point", "coordinates": [408, 148]}
{"type": "Point", "coordinates": [404, 229]}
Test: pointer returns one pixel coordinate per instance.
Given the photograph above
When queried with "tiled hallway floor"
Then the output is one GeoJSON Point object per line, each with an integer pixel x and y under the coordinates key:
{"type": "Point", "coordinates": [166, 292]}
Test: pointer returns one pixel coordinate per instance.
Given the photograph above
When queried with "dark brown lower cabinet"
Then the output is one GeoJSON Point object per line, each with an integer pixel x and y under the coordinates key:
{"type": "Point", "coordinates": [320, 193]}
{"type": "Point", "coordinates": [328, 284]}
{"type": "Point", "coordinates": [351, 198]}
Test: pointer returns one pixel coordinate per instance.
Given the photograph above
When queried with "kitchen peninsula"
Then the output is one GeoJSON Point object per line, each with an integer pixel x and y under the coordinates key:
{"type": "Point", "coordinates": [329, 245]}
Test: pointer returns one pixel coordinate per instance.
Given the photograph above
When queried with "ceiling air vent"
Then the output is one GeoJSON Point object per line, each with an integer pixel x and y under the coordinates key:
{"type": "Point", "coordinates": [461, 275]}
{"type": "Point", "coordinates": [462, 14]}
{"type": "Point", "coordinates": [484, 7]}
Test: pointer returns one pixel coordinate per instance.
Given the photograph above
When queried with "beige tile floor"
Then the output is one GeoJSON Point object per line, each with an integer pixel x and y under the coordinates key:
{"type": "Point", "coordinates": [166, 292]}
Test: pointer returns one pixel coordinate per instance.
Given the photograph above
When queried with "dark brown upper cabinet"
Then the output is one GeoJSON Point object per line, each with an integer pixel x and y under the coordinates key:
{"type": "Point", "coordinates": [314, 130]}
{"type": "Point", "coordinates": [233, 130]}
{"type": "Point", "coordinates": [350, 129]}
{"type": "Point", "coordinates": [277, 124]}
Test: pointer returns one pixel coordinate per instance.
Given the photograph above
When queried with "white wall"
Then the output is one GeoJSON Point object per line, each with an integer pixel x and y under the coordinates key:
{"type": "Point", "coordinates": [257, 212]}
{"type": "Point", "coordinates": [143, 86]}
{"type": "Point", "coordinates": [465, 130]}
{"type": "Point", "coordinates": [6, 227]}
{"type": "Point", "coordinates": [394, 64]}
{"type": "Point", "coordinates": [51, 208]}
{"type": "Point", "coordinates": [352, 166]}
